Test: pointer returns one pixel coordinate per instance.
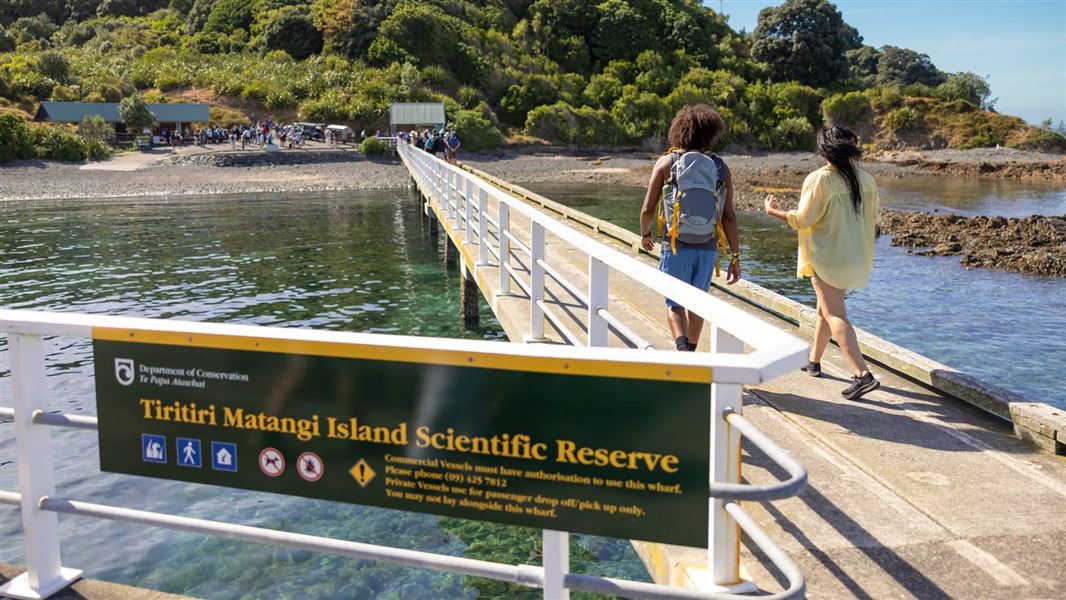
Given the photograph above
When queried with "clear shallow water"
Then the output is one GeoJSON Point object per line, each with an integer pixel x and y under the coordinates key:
{"type": "Point", "coordinates": [355, 262]}
{"type": "Point", "coordinates": [1006, 328]}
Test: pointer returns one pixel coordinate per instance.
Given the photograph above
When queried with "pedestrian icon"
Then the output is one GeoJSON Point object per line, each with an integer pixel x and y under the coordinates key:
{"type": "Point", "coordinates": [271, 462]}
{"type": "Point", "coordinates": [189, 453]}
{"type": "Point", "coordinates": [153, 448]}
{"type": "Point", "coordinates": [224, 456]}
{"type": "Point", "coordinates": [310, 466]}
{"type": "Point", "coordinates": [362, 473]}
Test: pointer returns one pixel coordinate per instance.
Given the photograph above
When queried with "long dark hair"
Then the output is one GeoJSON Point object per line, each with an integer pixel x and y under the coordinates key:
{"type": "Point", "coordinates": [840, 147]}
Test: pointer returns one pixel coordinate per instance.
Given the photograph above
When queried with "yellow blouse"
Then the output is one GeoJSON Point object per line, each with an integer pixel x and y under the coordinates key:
{"type": "Point", "coordinates": [834, 241]}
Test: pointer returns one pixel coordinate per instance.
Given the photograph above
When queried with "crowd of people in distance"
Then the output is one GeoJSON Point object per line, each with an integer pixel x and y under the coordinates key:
{"type": "Point", "coordinates": [435, 141]}
{"type": "Point", "coordinates": [260, 134]}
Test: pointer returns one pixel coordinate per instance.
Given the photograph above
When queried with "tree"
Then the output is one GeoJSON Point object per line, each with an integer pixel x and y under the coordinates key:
{"type": "Point", "coordinates": [228, 16]}
{"type": "Point", "coordinates": [862, 63]}
{"type": "Point", "coordinates": [348, 26]}
{"type": "Point", "coordinates": [900, 66]}
{"type": "Point", "coordinates": [135, 113]}
{"type": "Point", "coordinates": [198, 14]}
{"type": "Point", "coordinates": [805, 41]}
{"type": "Point", "coordinates": [54, 65]}
{"type": "Point", "coordinates": [293, 31]}
{"type": "Point", "coordinates": [966, 86]}
{"type": "Point", "coordinates": [94, 127]}
{"type": "Point", "coordinates": [622, 32]}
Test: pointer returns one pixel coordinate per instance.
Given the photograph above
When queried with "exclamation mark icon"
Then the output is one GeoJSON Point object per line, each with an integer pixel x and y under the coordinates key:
{"type": "Point", "coordinates": [362, 473]}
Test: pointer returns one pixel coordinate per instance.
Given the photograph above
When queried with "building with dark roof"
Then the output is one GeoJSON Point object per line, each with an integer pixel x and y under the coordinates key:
{"type": "Point", "coordinates": [172, 116]}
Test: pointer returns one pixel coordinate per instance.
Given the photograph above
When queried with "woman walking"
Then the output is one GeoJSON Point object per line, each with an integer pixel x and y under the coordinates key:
{"type": "Point", "coordinates": [836, 221]}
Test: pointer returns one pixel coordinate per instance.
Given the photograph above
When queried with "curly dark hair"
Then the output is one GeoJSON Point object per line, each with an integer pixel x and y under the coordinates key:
{"type": "Point", "coordinates": [696, 127]}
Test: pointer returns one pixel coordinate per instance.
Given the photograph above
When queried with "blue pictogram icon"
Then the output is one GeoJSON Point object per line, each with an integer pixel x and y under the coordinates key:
{"type": "Point", "coordinates": [153, 448]}
{"type": "Point", "coordinates": [224, 456]}
{"type": "Point", "coordinates": [188, 453]}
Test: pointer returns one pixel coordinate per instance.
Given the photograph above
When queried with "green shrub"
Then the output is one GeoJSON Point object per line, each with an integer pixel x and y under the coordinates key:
{"type": "Point", "coordinates": [845, 110]}
{"type": "Point", "coordinates": [330, 107]}
{"type": "Point", "coordinates": [16, 139]}
{"type": "Point", "coordinates": [280, 100]}
{"type": "Point", "coordinates": [793, 133]}
{"type": "Point", "coordinates": [641, 114]}
{"type": "Point", "coordinates": [884, 98]}
{"type": "Point", "coordinates": [64, 93]}
{"type": "Point", "coordinates": [56, 144]}
{"type": "Point", "coordinates": [372, 146]}
{"type": "Point", "coordinates": [228, 16]}
{"type": "Point", "coordinates": [554, 122]}
{"type": "Point", "coordinates": [94, 127]}
{"type": "Point", "coordinates": [292, 31]}
{"type": "Point", "coordinates": [596, 126]}
{"type": "Point", "coordinates": [969, 87]}
{"type": "Point", "coordinates": [476, 132]}
{"type": "Point", "coordinates": [97, 149]}
{"type": "Point", "coordinates": [903, 119]}
{"type": "Point", "coordinates": [54, 66]}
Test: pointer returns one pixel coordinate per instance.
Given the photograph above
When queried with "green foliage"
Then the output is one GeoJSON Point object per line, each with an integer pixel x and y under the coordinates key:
{"type": "Point", "coordinates": [135, 113]}
{"type": "Point", "coordinates": [228, 16]}
{"type": "Point", "coordinates": [64, 93]}
{"type": "Point", "coordinates": [55, 144]}
{"type": "Point", "coordinates": [805, 41]}
{"type": "Point", "coordinates": [16, 139]}
{"type": "Point", "coordinates": [291, 30]}
{"type": "Point", "coordinates": [7, 43]}
{"type": "Point", "coordinates": [846, 110]}
{"type": "Point", "coordinates": [622, 31]}
{"type": "Point", "coordinates": [477, 133]}
{"type": "Point", "coordinates": [105, 92]}
{"type": "Point", "coordinates": [900, 66]}
{"type": "Point", "coordinates": [531, 91]}
{"type": "Point", "coordinates": [641, 114]}
{"type": "Point", "coordinates": [862, 64]}
{"type": "Point", "coordinates": [39, 27]}
{"type": "Point", "coordinates": [198, 15]}
{"type": "Point", "coordinates": [902, 119]}
{"type": "Point", "coordinates": [93, 127]}
{"type": "Point", "coordinates": [965, 86]}
{"type": "Point", "coordinates": [372, 146]}
{"type": "Point", "coordinates": [54, 65]}
{"type": "Point", "coordinates": [793, 133]}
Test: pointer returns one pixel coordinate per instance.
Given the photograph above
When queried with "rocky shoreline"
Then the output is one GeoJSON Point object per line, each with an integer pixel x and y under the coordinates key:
{"type": "Point", "coordinates": [1034, 245]}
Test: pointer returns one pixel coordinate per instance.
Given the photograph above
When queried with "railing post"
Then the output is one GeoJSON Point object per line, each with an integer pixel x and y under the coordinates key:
{"type": "Point", "coordinates": [723, 544]}
{"type": "Point", "coordinates": [536, 284]}
{"type": "Point", "coordinates": [468, 213]}
{"type": "Point", "coordinates": [482, 226]}
{"type": "Point", "coordinates": [555, 557]}
{"type": "Point", "coordinates": [457, 197]}
{"type": "Point", "coordinates": [44, 574]}
{"type": "Point", "coordinates": [598, 297]}
{"type": "Point", "coordinates": [505, 248]}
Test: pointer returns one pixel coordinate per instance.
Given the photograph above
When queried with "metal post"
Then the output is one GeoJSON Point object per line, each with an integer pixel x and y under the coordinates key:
{"type": "Point", "coordinates": [723, 543]}
{"type": "Point", "coordinates": [44, 574]}
{"type": "Point", "coordinates": [555, 558]}
{"type": "Point", "coordinates": [482, 227]}
{"type": "Point", "coordinates": [468, 214]}
{"type": "Point", "coordinates": [598, 297]}
{"type": "Point", "coordinates": [505, 249]}
{"type": "Point", "coordinates": [536, 284]}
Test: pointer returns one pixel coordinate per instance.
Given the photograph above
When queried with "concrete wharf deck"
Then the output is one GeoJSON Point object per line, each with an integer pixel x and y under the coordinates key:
{"type": "Point", "coordinates": [913, 493]}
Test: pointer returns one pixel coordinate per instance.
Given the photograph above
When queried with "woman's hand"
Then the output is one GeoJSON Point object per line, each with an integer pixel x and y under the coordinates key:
{"type": "Point", "coordinates": [770, 203]}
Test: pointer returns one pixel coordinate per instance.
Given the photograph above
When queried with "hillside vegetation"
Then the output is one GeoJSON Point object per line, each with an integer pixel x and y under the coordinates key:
{"type": "Point", "coordinates": [590, 73]}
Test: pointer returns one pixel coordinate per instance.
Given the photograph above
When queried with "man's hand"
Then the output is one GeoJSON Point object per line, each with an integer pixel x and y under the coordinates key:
{"type": "Point", "coordinates": [733, 274]}
{"type": "Point", "coordinates": [770, 203]}
{"type": "Point", "coordinates": [647, 242]}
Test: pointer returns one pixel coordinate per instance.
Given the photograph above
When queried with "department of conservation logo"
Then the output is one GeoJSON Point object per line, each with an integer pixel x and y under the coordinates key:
{"type": "Point", "coordinates": [124, 370]}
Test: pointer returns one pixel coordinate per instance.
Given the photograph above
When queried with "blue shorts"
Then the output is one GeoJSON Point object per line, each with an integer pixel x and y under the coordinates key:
{"type": "Point", "coordinates": [691, 265]}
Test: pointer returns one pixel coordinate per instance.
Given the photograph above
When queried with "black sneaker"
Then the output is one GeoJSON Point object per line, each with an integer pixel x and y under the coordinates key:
{"type": "Point", "coordinates": [813, 369]}
{"type": "Point", "coordinates": [861, 386]}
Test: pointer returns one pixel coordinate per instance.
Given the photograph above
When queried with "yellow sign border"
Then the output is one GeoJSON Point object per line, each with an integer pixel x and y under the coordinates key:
{"type": "Point", "coordinates": [434, 356]}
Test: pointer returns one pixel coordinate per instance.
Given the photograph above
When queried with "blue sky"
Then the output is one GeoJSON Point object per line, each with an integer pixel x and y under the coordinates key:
{"type": "Point", "coordinates": [1019, 44]}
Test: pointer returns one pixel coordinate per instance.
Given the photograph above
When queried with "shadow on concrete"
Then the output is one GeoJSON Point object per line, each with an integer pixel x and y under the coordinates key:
{"type": "Point", "coordinates": [895, 566]}
{"type": "Point", "coordinates": [890, 425]}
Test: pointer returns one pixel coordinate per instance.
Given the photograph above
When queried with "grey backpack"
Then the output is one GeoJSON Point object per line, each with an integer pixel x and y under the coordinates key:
{"type": "Point", "coordinates": [692, 199]}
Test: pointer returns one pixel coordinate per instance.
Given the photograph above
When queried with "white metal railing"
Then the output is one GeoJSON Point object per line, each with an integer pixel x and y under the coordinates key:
{"type": "Point", "coordinates": [450, 191]}
{"type": "Point", "coordinates": [466, 204]}
{"type": "Point", "coordinates": [25, 331]}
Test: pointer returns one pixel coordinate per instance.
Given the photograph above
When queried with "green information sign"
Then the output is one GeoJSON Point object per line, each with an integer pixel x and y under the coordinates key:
{"type": "Point", "coordinates": [594, 447]}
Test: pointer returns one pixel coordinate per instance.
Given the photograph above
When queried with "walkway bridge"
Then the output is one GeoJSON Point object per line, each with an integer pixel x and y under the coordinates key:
{"type": "Point", "coordinates": [937, 485]}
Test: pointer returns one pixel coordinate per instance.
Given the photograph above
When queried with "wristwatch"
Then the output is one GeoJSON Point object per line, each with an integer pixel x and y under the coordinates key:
{"type": "Point", "coordinates": [735, 259]}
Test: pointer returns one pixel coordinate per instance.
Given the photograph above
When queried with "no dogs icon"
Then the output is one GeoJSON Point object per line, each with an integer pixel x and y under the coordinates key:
{"type": "Point", "coordinates": [271, 462]}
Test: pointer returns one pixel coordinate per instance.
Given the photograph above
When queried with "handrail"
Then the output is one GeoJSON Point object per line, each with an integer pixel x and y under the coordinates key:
{"type": "Point", "coordinates": [739, 491]}
{"type": "Point", "coordinates": [745, 327]}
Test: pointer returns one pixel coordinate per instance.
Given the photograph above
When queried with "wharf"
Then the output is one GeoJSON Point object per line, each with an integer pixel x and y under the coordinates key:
{"type": "Point", "coordinates": [913, 493]}
{"type": "Point", "coordinates": [91, 589]}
